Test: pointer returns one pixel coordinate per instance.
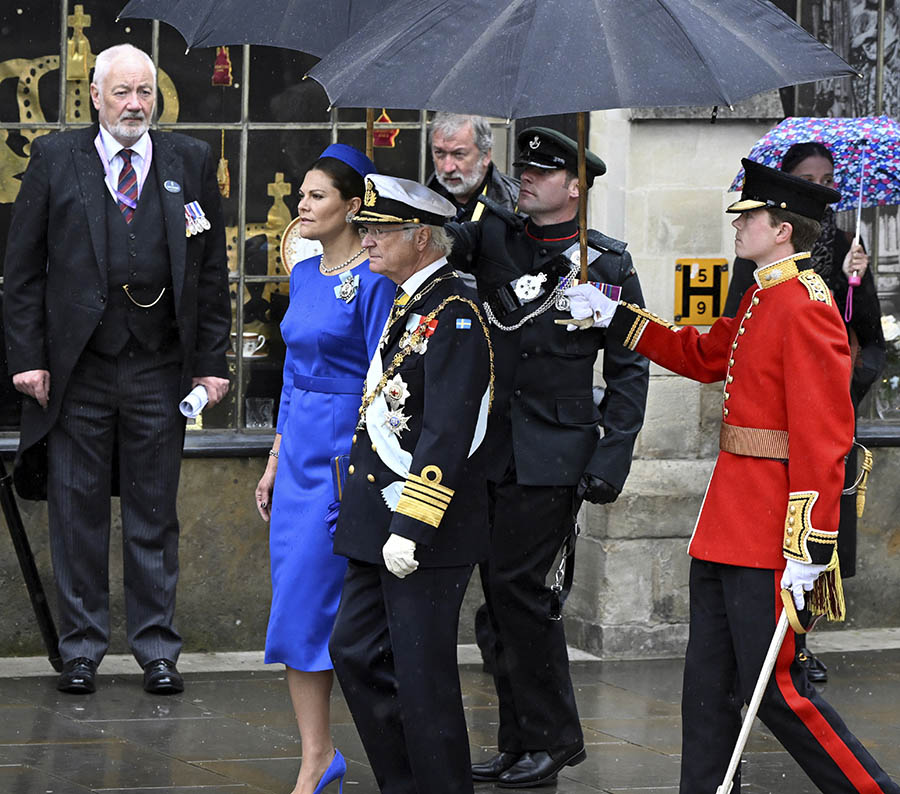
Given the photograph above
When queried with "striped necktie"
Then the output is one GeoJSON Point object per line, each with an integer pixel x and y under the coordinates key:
{"type": "Point", "coordinates": [128, 186]}
{"type": "Point", "coordinates": [401, 298]}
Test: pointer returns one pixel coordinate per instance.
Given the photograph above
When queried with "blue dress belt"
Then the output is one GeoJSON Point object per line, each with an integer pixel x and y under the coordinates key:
{"type": "Point", "coordinates": [329, 385]}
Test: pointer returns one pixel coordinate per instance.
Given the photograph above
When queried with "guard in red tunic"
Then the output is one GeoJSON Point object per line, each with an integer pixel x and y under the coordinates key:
{"type": "Point", "coordinates": [770, 516]}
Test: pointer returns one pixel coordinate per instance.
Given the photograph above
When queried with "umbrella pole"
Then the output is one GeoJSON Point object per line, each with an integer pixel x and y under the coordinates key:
{"type": "Point", "coordinates": [370, 133]}
{"type": "Point", "coordinates": [582, 196]}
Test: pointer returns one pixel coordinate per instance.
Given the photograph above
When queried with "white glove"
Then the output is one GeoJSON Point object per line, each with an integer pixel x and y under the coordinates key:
{"type": "Point", "coordinates": [399, 555]}
{"type": "Point", "coordinates": [800, 576]}
{"type": "Point", "coordinates": [587, 303]}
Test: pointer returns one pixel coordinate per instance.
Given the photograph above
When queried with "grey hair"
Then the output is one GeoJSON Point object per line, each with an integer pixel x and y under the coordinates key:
{"type": "Point", "coordinates": [440, 238]}
{"type": "Point", "coordinates": [450, 123]}
{"type": "Point", "coordinates": [106, 58]}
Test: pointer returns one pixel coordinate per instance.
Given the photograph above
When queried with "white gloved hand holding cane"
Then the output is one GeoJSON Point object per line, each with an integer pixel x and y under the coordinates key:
{"type": "Point", "coordinates": [399, 555]}
{"type": "Point", "coordinates": [589, 308]}
{"type": "Point", "coordinates": [799, 578]}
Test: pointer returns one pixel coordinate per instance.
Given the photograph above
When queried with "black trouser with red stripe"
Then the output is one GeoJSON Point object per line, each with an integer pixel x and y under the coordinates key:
{"type": "Point", "coordinates": [734, 611]}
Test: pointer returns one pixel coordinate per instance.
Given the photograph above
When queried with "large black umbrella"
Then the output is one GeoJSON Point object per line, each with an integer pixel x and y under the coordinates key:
{"type": "Point", "coordinates": [313, 26]}
{"type": "Point", "coordinates": [519, 58]}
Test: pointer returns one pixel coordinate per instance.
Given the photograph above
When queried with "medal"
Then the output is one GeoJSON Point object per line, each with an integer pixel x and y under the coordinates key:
{"type": "Point", "coordinates": [347, 289]}
{"type": "Point", "coordinates": [529, 287]}
{"type": "Point", "coordinates": [396, 392]}
{"type": "Point", "coordinates": [396, 421]}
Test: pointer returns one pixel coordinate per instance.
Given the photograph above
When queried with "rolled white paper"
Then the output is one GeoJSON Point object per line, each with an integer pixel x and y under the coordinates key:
{"type": "Point", "coordinates": [195, 402]}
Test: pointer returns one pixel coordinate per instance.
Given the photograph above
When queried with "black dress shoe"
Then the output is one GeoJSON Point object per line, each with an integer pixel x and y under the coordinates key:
{"type": "Point", "coordinates": [540, 767]}
{"type": "Point", "coordinates": [161, 677]}
{"type": "Point", "coordinates": [77, 676]}
{"type": "Point", "coordinates": [816, 671]}
{"type": "Point", "coordinates": [494, 767]}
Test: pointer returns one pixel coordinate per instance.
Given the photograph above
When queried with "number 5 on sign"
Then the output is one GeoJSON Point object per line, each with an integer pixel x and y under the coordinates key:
{"type": "Point", "coordinates": [700, 289]}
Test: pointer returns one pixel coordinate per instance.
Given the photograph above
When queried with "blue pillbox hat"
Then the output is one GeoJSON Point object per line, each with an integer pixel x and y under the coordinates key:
{"type": "Point", "coordinates": [352, 157]}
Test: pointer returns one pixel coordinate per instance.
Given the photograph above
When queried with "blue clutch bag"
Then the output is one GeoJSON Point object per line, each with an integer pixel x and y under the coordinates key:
{"type": "Point", "coordinates": [339, 474]}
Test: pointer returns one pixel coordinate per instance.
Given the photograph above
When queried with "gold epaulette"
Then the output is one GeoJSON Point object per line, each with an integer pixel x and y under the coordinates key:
{"type": "Point", "coordinates": [816, 286]}
{"type": "Point", "coordinates": [424, 498]}
{"type": "Point", "coordinates": [799, 533]}
{"type": "Point", "coordinates": [640, 323]}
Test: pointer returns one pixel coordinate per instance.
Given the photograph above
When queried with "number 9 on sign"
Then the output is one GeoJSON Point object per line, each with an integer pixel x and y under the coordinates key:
{"type": "Point", "coordinates": [700, 289]}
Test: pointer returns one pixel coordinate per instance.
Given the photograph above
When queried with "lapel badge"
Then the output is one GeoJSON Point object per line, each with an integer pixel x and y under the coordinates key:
{"type": "Point", "coordinates": [347, 289]}
{"type": "Point", "coordinates": [172, 186]}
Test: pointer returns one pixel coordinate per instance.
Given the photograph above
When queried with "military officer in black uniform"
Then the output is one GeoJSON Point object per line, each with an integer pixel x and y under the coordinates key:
{"type": "Point", "coordinates": [413, 518]}
{"type": "Point", "coordinates": [551, 444]}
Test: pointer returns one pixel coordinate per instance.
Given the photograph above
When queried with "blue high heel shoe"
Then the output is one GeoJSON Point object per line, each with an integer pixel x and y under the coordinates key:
{"type": "Point", "coordinates": [336, 771]}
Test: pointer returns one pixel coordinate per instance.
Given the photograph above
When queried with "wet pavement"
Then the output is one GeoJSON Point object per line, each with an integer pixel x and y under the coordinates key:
{"type": "Point", "coordinates": [232, 731]}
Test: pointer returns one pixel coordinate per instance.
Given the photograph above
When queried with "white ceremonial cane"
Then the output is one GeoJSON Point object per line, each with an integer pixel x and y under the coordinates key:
{"type": "Point", "coordinates": [761, 683]}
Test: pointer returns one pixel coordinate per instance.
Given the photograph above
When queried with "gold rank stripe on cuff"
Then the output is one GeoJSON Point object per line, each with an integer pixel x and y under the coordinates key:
{"type": "Point", "coordinates": [799, 531]}
{"type": "Point", "coordinates": [640, 323]}
{"type": "Point", "coordinates": [424, 499]}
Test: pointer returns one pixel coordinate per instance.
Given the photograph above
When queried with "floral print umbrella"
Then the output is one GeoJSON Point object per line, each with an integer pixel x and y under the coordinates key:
{"type": "Point", "coordinates": [870, 144]}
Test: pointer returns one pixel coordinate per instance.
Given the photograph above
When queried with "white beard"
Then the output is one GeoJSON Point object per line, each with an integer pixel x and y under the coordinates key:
{"type": "Point", "coordinates": [465, 186]}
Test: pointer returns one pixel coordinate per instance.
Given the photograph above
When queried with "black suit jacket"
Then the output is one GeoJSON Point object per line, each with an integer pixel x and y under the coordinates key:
{"type": "Point", "coordinates": [444, 503]}
{"type": "Point", "coordinates": [546, 416]}
{"type": "Point", "coordinates": [56, 269]}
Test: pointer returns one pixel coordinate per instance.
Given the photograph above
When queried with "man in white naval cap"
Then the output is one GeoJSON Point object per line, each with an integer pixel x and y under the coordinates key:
{"type": "Point", "coordinates": [413, 517]}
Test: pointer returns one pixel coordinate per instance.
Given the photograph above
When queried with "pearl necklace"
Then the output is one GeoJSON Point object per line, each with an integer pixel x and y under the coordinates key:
{"type": "Point", "coordinates": [327, 270]}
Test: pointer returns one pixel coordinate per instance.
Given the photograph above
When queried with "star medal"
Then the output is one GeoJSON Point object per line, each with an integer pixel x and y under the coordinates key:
{"type": "Point", "coordinates": [396, 392]}
{"type": "Point", "coordinates": [396, 421]}
{"type": "Point", "coordinates": [529, 287]}
{"type": "Point", "coordinates": [347, 289]}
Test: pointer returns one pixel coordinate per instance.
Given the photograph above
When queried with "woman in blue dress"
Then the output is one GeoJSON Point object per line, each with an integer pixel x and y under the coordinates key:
{"type": "Point", "coordinates": [331, 329]}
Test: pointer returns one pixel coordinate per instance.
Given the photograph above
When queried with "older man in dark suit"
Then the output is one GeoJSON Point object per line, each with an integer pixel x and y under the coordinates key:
{"type": "Point", "coordinates": [112, 314]}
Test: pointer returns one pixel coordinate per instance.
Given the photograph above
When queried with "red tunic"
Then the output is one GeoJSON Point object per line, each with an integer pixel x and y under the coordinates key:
{"type": "Point", "coordinates": [785, 362]}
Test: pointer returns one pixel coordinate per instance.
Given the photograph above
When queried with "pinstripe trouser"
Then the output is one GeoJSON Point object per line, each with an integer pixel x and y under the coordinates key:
{"type": "Point", "coordinates": [733, 615]}
{"type": "Point", "coordinates": [131, 400]}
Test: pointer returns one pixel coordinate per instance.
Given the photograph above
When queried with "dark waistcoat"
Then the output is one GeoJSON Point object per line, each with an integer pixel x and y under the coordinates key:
{"type": "Point", "coordinates": [138, 255]}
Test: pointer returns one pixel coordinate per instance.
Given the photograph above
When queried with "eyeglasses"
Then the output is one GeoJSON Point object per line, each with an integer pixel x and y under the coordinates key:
{"type": "Point", "coordinates": [377, 232]}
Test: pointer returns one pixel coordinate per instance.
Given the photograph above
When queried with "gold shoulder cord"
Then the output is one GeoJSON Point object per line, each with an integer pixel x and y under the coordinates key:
{"type": "Point", "coordinates": [414, 338]}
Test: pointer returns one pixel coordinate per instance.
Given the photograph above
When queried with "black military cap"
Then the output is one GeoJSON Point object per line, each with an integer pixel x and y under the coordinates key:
{"type": "Point", "coordinates": [542, 147]}
{"type": "Point", "coordinates": [769, 187]}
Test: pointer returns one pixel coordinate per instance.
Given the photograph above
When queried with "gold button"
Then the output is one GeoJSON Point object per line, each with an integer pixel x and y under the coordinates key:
{"type": "Point", "coordinates": [734, 346]}
{"type": "Point", "coordinates": [350, 469]}
{"type": "Point", "coordinates": [726, 412]}
{"type": "Point", "coordinates": [730, 362]}
{"type": "Point", "coordinates": [748, 314]}
{"type": "Point", "coordinates": [727, 395]}
{"type": "Point", "coordinates": [783, 205]}
{"type": "Point", "coordinates": [374, 448]}
{"type": "Point", "coordinates": [755, 300]}
{"type": "Point", "coordinates": [741, 331]}
{"type": "Point", "coordinates": [354, 438]}
{"type": "Point", "coordinates": [370, 477]}
{"type": "Point", "coordinates": [730, 378]}
{"type": "Point", "coordinates": [793, 509]}
{"type": "Point", "coordinates": [791, 521]}
{"type": "Point", "coordinates": [789, 531]}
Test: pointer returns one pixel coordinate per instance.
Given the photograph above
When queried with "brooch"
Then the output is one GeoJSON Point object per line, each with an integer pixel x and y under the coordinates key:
{"type": "Point", "coordinates": [347, 289]}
